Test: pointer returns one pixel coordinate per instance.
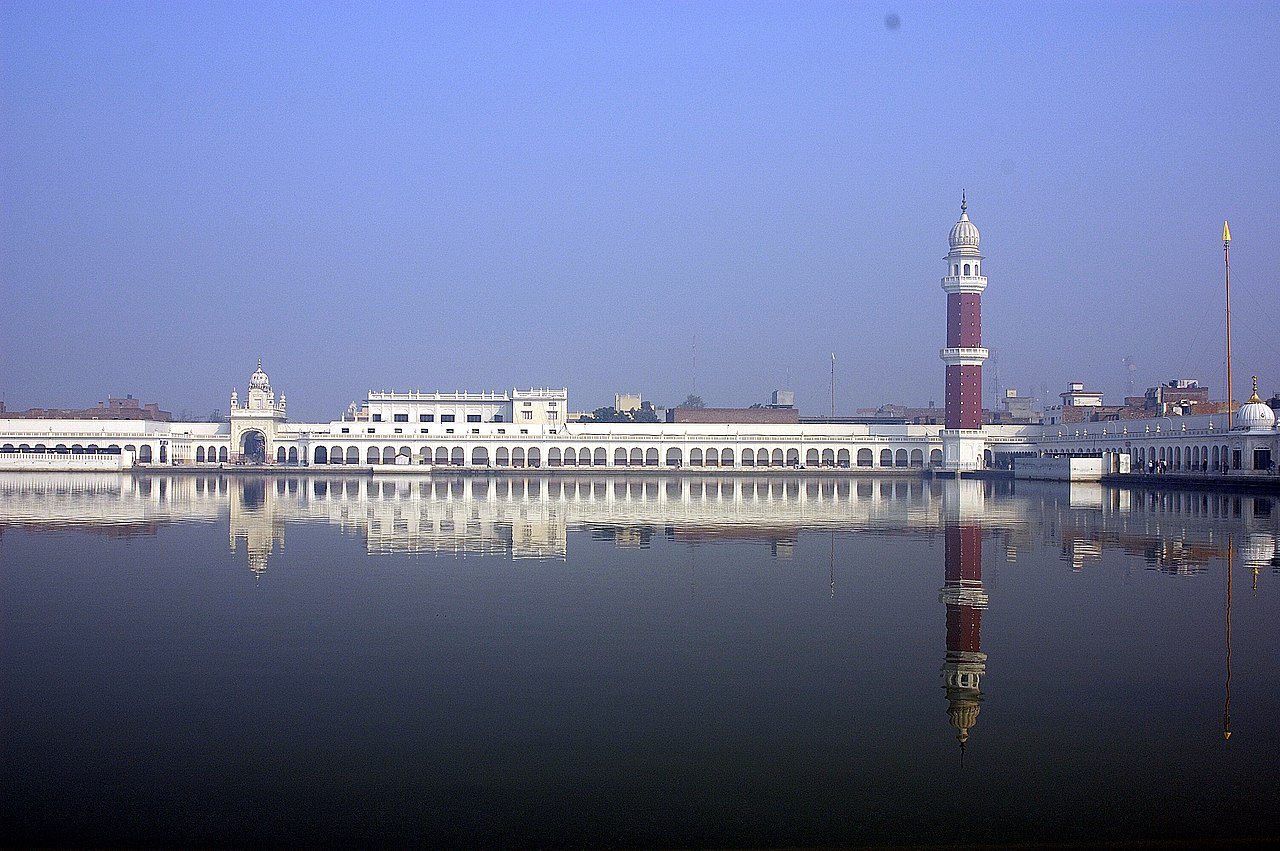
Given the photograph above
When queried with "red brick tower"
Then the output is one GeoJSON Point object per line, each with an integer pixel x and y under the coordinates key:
{"type": "Point", "coordinates": [962, 440]}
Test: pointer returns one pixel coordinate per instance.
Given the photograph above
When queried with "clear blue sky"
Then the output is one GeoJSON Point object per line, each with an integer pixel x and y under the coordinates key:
{"type": "Point", "coordinates": [474, 196]}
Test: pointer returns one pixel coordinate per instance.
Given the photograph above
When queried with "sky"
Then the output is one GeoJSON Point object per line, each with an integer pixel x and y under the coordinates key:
{"type": "Point", "coordinates": [655, 197]}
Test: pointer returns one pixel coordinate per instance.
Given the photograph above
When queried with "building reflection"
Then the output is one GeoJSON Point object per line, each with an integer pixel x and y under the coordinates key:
{"type": "Point", "coordinates": [531, 517]}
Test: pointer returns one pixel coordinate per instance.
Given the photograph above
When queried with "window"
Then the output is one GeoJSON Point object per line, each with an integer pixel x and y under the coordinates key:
{"type": "Point", "coordinates": [448, 431]}
{"type": "Point", "coordinates": [497, 418]}
{"type": "Point", "coordinates": [475, 431]}
{"type": "Point", "coordinates": [346, 431]}
{"type": "Point", "coordinates": [502, 431]}
{"type": "Point", "coordinates": [552, 415]}
{"type": "Point", "coordinates": [524, 431]}
{"type": "Point", "coordinates": [399, 431]}
{"type": "Point", "coordinates": [426, 418]}
{"type": "Point", "coordinates": [528, 404]}
{"type": "Point", "coordinates": [371, 431]}
{"type": "Point", "coordinates": [377, 418]}
{"type": "Point", "coordinates": [424, 430]}
{"type": "Point", "coordinates": [402, 418]}
{"type": "Point", "coordinates": [473, 418]}
{"type": "Point", "coordinates": [526, 415]}
{"type": "Point", "coordinates": [551, 404]}
{"type": "Point", "coordinates": [447, 418]}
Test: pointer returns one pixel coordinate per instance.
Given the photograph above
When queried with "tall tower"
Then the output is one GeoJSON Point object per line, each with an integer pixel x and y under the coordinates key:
{"type": "Point", "coordinates": [963, 442]}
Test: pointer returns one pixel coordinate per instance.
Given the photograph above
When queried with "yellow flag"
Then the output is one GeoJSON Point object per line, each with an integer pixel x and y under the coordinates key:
{"type": "Point", "coordinates": [1226, 232]}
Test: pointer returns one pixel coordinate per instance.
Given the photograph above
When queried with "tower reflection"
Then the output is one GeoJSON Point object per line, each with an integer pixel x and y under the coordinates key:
{"type": "Point", "coordinates": [965, 599]}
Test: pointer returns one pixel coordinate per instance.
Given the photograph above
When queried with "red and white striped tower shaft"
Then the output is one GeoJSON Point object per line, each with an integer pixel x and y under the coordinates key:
{"type": "Point", "coordinates": [963, 441]}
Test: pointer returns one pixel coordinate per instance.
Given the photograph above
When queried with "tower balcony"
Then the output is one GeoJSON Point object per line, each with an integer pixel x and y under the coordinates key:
{"type": "Point", "coordinates": [963, 356]}
{"type": "Point", "coordinates": [964, 283]}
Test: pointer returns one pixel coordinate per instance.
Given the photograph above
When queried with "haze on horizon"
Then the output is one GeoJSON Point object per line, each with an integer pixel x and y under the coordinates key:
{"type": "Point", "coordinates": [482, 196]}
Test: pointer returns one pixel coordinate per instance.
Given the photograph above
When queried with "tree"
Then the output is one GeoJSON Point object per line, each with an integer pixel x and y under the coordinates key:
{"type": "Point", "coordinates": [692, 401]}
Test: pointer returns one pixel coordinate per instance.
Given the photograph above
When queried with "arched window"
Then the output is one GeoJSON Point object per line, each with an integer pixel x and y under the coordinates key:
{"type": "Point", "coordinates": [651, 457]}
{"type": "Point", "coordinates": [811, 458]}
{"type": "Point", "coordinates": [726, 457]}
{"type": "Point", "coordinates": [775, 459]}
{"type": "Point", "coordinates": [321, 456]}
{"type": "Point", "coordinates": [280, 455]}
{"type": "Point", "coordinates": [842, 458]}
{"type": "Point", "coordinates": [864, 457]}
{"type": "Point", "coordinates": [480, 457]}
{"type": "Point", "coordinates": [619, 457]}
{"type": "Point", "coordinates": [935, 456]}
{"type": "Point", "coordinates": [917, 458]}
{"type": "Point", "coordinates": [458, 457]}
{"type": "Point", "coordinates": [886, 457]}
{"type": "Point", "coordinates": [222, 453]}
{"type": "Point", "coordinates": [828, 458]}
{"type": "Point", "coordinates": [353, 455]}
{"type": "Point", "coordinates": [199, 454]}
{"type": "Point", "coordinates": [966, 269]}
{"type": "Point", "coordinates": [517, 457]}
{"type": "Point", "coordinates": [637, 457]}
{"type": "Point", "coordinates": [535, 457]}
{"type": "Point", "coordinates": [673, 457]}
{"type": "Point", "coordinates": [900, 459]}
{"type": "Point", "coordinates": [553, 457]}
{"type": "Point", "coordinates": [793, 457]}
{"type": "Point", "coordinates": [293, 455]}
{"type": "Point", "coordinates": [748, 458]}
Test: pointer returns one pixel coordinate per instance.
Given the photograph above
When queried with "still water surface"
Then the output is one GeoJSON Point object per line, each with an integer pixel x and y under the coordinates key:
{"type": "Point", "coordinates": [200, 660]}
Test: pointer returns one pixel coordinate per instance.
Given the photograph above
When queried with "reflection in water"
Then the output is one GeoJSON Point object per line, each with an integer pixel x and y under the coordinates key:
{"type": "Point", "coordinates": [1226, 708]}
{"type": "Point", "coordinates": [965, 599]}
{"type": "Point", "coordinates": [531, 517]}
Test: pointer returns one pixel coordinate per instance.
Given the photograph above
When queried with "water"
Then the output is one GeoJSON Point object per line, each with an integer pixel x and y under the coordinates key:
{"type": "Point", "coordinates": [614, 661]}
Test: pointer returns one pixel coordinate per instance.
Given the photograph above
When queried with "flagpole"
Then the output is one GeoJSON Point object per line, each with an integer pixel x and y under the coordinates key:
{"type": "Point", "coordinates": [1226, 260]}
{"type": "Point", "coordinates": [833, 385]}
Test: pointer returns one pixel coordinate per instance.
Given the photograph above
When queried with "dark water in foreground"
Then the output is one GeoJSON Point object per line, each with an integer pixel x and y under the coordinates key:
{"type": "Point", "coordinates": [632, 662]}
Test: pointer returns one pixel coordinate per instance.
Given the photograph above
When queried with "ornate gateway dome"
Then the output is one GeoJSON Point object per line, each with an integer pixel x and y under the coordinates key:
{"type": "Point", "coordinates": [259, 380]}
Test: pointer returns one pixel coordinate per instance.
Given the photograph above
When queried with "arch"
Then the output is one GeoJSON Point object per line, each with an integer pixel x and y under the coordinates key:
{"type": "Point", "coordinates": [1177, 457]}
{"type": "Point", "coordinates": [458, 457]}
{"type": "Point", "coordinates": [144, 454]}
{"type": "Point", "coordinates": [988, 458]}
{"type": "Point", "coordinates": [637, 457]}
{"type": "Point", "coordinates": [222, 454]}
{"type": "Point", "coordinates": [711, 458]}
{"type": "Point", "coordinates": [372, 455]}
{"type": "Point", "coordinates": [441, 456]}
{"type": "Point", "coordinates": [762, 457]}
{"type": "Point", "coordinates": [389, 455]}
{"type": "Point", "coordinates": [726, 457]}
{"type": "Point", "coordinates": [619, 457]}
{"type": "Point", "coordinates": [776, 458]}
{"type": "Point", "coordinates": [535, 457]}
{"type": "Point", "coordinates": [900, 458]}
{"type": "Point", "coordinates": [935, 457]}
{"type": "Point", "coordinates": [673, 457]}
{"type": "Point", "coordinates": [517, 457]}
{"type": "Point", "coordinates": [886, 457]}
{"type": "Point", "coordinates": [955, 270]}
{"type": "Point", "coordinates": [828, 458]}
{"type": "Point", "coordinates": [480, 457]}
{"type": "Point", "coordinates": [601, 457]}
{"type": "Point", "coordinates": [553, 456]}
{"type": "Point", "coordinates": [253, 446]}
{"type": "Point", "coordinates": [199, 454]}
{"type": "Point", "coordinates": [917, 458]}
{"type": "Point", "coordinates": [321, 456]}
{"type": "Point", "coordinates": [864, 457]}
{"type": "Point", "coordinates": [793, 457]}
{"type": "Point", "coordinates": [570, 457]}
{"type": "Point", "coordinates": [293, 455]}
{"type": "Point", "coordinates": [280, 455]}
{"type": "Point", "coordinates": [695, 457]}
{"type": "Point", "coordinates": [584, 457]}
{"type": "Point", "coordinates": [842, 458]}
{"type": "Point", "coordinates": [811, 458]}
{"type": "Point", "coordinates": [502, 457]}
{"type": "Point", "coordinates": [748, 458]}
{"type": "Point", "coordinates": [651, 456]}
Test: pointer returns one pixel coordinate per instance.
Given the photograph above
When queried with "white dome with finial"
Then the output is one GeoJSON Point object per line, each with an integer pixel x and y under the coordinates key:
{"type": "Point", "coordinates": [965, 233]}
{"type": "Point", "coordinates": [259, 380]}
{"type": "Point", "coordinates": [1255, 415]}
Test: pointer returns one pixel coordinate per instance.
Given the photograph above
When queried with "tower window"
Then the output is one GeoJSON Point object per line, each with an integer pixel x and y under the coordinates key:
{"type": "Point", "coordinates": [966, 269]}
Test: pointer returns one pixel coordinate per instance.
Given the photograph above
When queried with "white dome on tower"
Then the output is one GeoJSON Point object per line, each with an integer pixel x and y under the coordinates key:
{"type": "Point", "coordinates": [259, 380]}
{"type": "Point", "coordinates": [965, 233]}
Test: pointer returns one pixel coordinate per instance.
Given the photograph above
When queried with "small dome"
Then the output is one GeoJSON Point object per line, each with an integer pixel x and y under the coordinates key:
{"type": "Point", "coordinates": [1255, 414]}
{"type": "Point", "coordinates": [965, 233]}
{"type": "Point", "coordinates": [259, 380]}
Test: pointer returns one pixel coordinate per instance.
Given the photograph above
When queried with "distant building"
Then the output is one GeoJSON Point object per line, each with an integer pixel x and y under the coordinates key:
{"type": "Point", "coordinates": [127, 408]}
{"type": "Point", "coordinates": [890, 413]}
{"type": "Point", "coordinates": [627, 401]}
{"type": "Point", "coordinates": [733, 415]}
{"type": "Point", "coordinates": [783, 399]}
{"type": "Point", "coordinates": [1179, 397]}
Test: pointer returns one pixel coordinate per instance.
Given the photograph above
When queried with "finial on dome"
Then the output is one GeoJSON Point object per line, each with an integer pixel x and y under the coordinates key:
{"type": "Point", "coordinates": [964, 205]}
{"type": "Point", "coordinates": [1254, 397]}
{"type": "Point", "coordinates": [259, 362]}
